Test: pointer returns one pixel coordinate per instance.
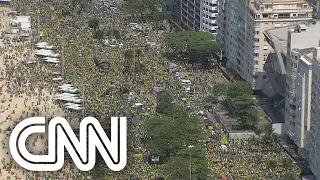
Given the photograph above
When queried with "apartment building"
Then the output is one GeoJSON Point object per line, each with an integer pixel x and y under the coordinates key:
{"type": "Point", "coordinates": [314, 155]}
{"type": "Point", "coordinates": [294, 49]}
{"type": "Point", "coordinates": [232, 34]}
{"type": "Point", "coordinates": [241, 26]}
{"type": "Point", "coordinates": [209, 16]}
{"type": "Point", "coordinates": [316, 5]}
{"type": "Point", "coordinates": [198, 15]}
{"type": "Point", "coordinates": [190, 15]}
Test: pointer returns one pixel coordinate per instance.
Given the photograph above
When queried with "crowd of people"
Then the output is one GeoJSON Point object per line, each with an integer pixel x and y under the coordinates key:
{"type": "Point", "coordinates": [109, 92]}
{"type": "Point", "coordinates": [250, 158]}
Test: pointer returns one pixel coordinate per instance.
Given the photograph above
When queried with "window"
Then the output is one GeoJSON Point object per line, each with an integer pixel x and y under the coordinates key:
{"type": "Point", "coordinates": [257, 32]}
{"type": "Point", "coordinates": [256, 39]}
{"type": "Point", "coordinates": [265, 15]}
{"type": "Point", "coordinates": [256, 54]}
{"type": "Point", "coordinates": [294, 65]}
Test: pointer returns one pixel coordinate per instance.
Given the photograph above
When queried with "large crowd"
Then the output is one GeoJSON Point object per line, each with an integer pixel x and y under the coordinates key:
{"type": "Point", "coordinates": [74, 40]}
{"type": "Point", "coordinates": [250, 158]}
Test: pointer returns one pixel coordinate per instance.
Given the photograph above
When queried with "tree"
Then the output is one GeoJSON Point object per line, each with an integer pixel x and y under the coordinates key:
{"type": "Point", "coordinates": [116, 33]}
{"type": "Point", "coordinates": [171, 132]}
{"type": "Point", "coordinates": [286, 163]}
{"type": "Point", "coordinates": [93, 23]}
{"type": "Point", "coordinates": [99, 34]}
{"type": "Point", "coordinates": [143, 6]}
{"type": "Point", "coordinates": [289, 176]}
{"type": "Point", "coordinates": [272, 164]}
{"type": "Point", "coordinates": [237, 98]}
{"type": "Point", "coordinates": [195, 46]}
{"type": "Point", "coordinates": [248, 118]}
{"type": "Point", "coordinates": [165, 102]}
{"type": "Point", "coordinates": [178, 167]}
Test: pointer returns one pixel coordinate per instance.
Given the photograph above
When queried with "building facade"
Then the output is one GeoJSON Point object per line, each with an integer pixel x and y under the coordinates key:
{"type": "Point", "coordinates": [197, 15]}
{"type": "Point", "coordinates": [241, 32]}
{"type": "Point", "coordinates": [295, 48]}
{"type": "Point", "coordinates": [316, 5]}
{"type": "Point", "coordinates": [314, 155]}
{"type": "Point", "coordinates": [209, 16]}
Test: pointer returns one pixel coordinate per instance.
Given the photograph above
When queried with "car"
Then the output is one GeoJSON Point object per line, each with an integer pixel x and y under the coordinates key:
{"type": "Point", "coordinates": [185, 81]}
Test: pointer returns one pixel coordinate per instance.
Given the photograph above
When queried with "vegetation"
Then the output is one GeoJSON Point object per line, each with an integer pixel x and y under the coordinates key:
{"type": "Point", "coordinates": [99, 34]}
{"type": "Point", "coordinates": [170, 133]}
{"type": "Point", "coordinates": [237, 98]}
{"type": "Point", "coordinates": [193, 46]}
{"type": "Point", "coordinates": [143, 6]}
{"type": "Point", "coordinates": [94, 23]}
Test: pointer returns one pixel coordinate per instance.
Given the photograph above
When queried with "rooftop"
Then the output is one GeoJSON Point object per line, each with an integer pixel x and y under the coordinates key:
{"type": "Point", "coordinates": [306, 39]}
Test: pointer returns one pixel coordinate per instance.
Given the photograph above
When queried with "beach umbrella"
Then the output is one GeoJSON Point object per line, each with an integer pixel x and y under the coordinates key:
{"type": "Point", "coordinates": [183, 99]}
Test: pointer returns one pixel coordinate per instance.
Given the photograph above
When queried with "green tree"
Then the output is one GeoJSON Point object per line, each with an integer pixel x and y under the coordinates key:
{"type": "Point", "coordinates": [165, 102]}
{"type": "Point", "coordinates": [99, 171]}
{"type": "Point", "coordinates": [177, 168]}
{"type": "Point", "coordinates": [171, 132]}
{"type": "Point", "coordinates": [195, 46]}
{"type": "Point", "coordinates": [143, 6]}
{"type": "Point", "coordinates": [99, 34]}
{"type": "Point", "coordinates": [199, 164]}
{"type": "Point", "coordinates": [289, 176]}
{"type": "Point", "coordinates": [248, 118]}
{"type": "Point", "coordinates": [286, 163]}
{"type": "Point", "coordinates": [93, 23]}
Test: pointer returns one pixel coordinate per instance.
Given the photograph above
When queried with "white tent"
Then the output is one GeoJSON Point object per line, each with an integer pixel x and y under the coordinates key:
{"type": "Point", "coordinates": [56, 73]}
{"type": "Point", "coordinates": [52, 61]}
{"type": "Point", "coordinates": [74, 107]}
{"type": "Point", "coordinates": [137, 105]}
{"type": "Point", "coordinates": [56, 55]}
{"type": "Point", "coordinates": [57, 79]}
{"type": "Point", "coordinates": [31, 62]}
{"type": "Point", "coordinates": [66, 85]}
{"type": "Point", "coordinates": [51, 58]}
{"type": "Point", "coordinates": [41, 44]}
{"type": "Point", "coordinates": [69, 90]}
{"type": "Point", "coordinates": [44, 52]}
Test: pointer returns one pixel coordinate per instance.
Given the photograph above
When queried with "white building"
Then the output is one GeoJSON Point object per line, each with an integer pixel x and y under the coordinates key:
{"type": "Point", "coordinates": [314, 155]}
{"type": "Point", "coordinates": [241, 26]}
{"type": "Point", "coordinates": [209, 16]}
{"type": "Point", "coordinates": [294, 49]}
{"type": "Point", "coordinates": [303, 103]}
{"type": "Point", "coordinates": [21, 25]}
{"type": "Point", "coordinates": [198, 15]}
{"type": "Point", "coordinates": [316, 8]}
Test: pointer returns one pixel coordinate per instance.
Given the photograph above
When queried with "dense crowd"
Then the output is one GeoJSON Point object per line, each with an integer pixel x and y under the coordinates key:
{"type": "Point", "coordinates": [242, 159]}
{"type": "Point", "coordinates": [250, 158]}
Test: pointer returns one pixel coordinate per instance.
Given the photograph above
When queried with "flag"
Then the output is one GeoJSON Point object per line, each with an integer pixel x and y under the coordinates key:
{"type": "Point", "coordinates": [43, 33]}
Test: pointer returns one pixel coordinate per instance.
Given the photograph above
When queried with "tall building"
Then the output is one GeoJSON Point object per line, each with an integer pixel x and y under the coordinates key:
{"type": "Point", "coordinates": [198, 15]}
{"type": "Point", "coordinates": [316, 8]}
{"type": "Point", "coordinates": [191, 14]}
{"type": "Point", "coordinates": [314, 155]}
{"type": "Point", "coordinates": [241, 26]}
{"type": "Point", "coordinates": [209, 16]}
{"type": "Point", "coordinates": [294, 48]}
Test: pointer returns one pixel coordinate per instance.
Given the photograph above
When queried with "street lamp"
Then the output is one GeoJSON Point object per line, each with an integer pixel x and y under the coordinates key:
{"type": "Point", "coordinates": [191, 146]}
{"type": "Point", "coordinates": [173, 103]}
